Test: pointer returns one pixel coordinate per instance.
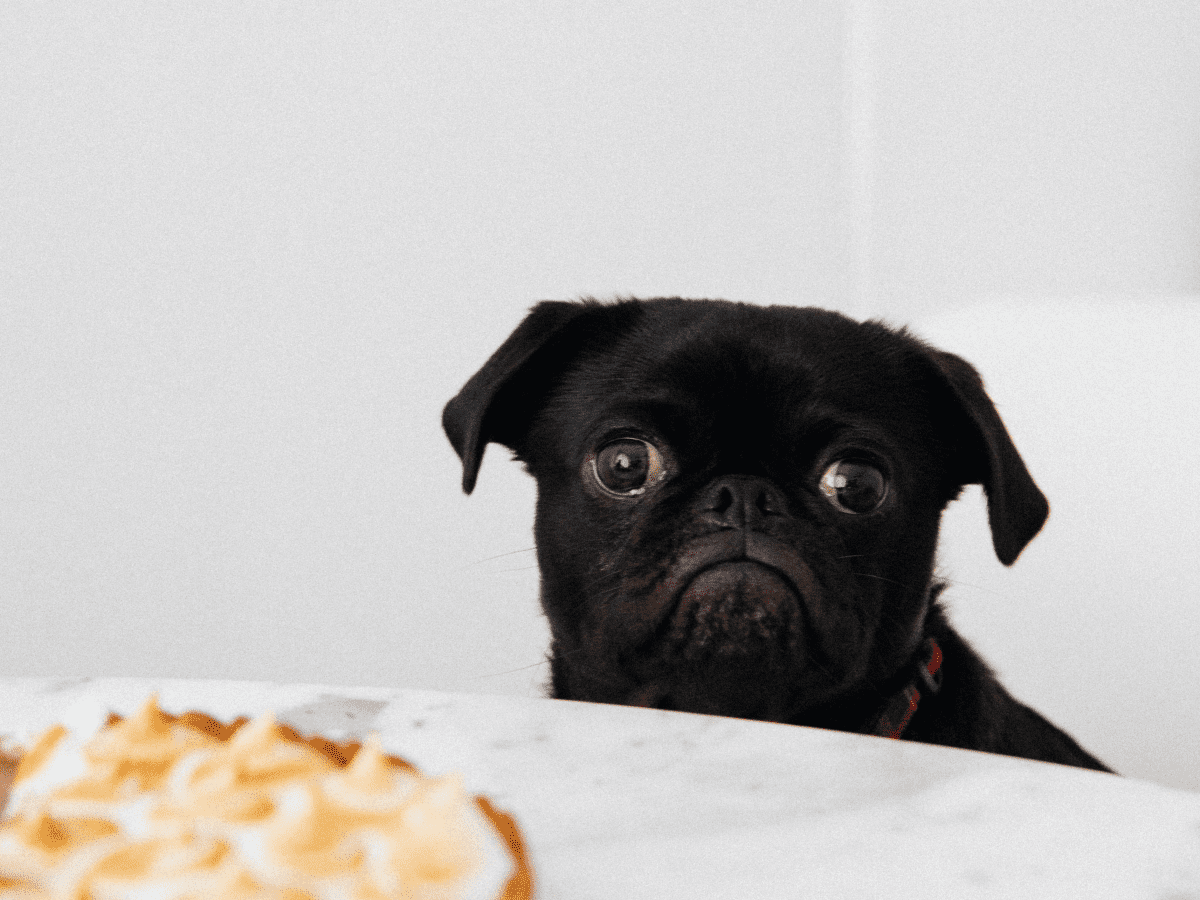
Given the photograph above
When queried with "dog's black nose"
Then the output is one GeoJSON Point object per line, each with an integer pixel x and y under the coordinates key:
{"type": "Point", "coordinates": [741, 501]}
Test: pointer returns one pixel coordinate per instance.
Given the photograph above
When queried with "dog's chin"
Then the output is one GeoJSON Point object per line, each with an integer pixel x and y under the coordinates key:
{"type": "Point", "coordinates": [735, 609]}
{"type": "Point", "coordinates": [732, 642]}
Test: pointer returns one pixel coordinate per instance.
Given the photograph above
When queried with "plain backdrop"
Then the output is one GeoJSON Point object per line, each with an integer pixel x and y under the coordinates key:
{"type": "Point", "coordinates": [248, 251]}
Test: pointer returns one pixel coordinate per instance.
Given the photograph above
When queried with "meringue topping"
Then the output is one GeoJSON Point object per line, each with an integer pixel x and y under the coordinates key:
{"type": "Point", "coordinates": [157, 806]}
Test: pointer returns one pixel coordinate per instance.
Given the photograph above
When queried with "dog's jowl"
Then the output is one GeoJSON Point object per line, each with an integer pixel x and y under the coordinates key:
{"type": "Point", "coordinates": [738, 513]}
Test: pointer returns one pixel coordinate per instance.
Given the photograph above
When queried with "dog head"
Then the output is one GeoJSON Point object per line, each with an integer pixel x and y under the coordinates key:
{"type": "Point", "coordinates": [738, 506]}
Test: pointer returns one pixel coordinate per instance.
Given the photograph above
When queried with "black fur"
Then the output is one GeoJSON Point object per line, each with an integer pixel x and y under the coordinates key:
{"type": "Point", "coordinates": [760, 569]}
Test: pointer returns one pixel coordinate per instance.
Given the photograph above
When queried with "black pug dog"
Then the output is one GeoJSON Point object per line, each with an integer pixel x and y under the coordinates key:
{"type": "Point", "coordinates": [738, 510]}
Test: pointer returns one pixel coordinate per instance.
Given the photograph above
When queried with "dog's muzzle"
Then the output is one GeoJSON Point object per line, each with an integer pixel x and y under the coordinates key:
{"type": "Point", "coordinates": [732, 593]}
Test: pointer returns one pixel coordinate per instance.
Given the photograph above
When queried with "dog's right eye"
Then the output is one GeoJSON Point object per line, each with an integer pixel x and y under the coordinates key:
{"type": "Point", "coordinates": [628, 466]}
{"type": "Point", "coordinates": [854, 487]}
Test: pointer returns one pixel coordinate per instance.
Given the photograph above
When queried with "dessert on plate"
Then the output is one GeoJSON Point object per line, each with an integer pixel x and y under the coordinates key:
{"type": "Point", "coordinates": [173, 807]}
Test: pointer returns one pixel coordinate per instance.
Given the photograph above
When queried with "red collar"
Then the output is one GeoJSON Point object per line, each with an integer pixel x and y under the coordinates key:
{"type": "Point", "coordinates": [895, 715]}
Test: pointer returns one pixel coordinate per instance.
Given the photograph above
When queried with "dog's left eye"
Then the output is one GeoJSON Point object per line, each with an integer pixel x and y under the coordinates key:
{"type": "Point", "coordinates": [853, 486]}
{"type": "Point", "coordinates": [628, 466]}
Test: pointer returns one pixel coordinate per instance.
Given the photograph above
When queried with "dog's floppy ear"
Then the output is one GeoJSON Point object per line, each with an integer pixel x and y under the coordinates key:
{"type": "Point", "coordinates": [501, 399]}
{"type": "Point", "coordinates": [487, 407]}
{"type": "Point", "coordinates": [1016, 508]}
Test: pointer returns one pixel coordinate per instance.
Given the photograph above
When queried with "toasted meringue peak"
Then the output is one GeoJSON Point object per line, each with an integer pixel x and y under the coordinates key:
{"type": "Point", "coordinates": [369, 771]}
{"type": "Point", "coordinates": [40, 830]}
{"type": "Point", "coordinates": [418, 849]}
{"type": "Point", "coordinates": [39, 754]}
{"type": "Point", "coordinates": [259, 733]}
{"type": "Point", "coordinates": [309, 836]}
{"type": "Point", "coordinates": [134, 754]}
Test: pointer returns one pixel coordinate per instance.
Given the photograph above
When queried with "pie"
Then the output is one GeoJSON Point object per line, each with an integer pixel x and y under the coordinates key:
{"type": "Point", "coordinates": [175, 807]}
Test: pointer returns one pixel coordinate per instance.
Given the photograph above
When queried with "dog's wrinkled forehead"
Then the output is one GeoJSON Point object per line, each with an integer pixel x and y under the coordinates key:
{"type": "Point", "coordinates": [750, 368]}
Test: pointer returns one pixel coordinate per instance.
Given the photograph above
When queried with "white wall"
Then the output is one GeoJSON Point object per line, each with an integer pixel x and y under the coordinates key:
{"type": "Point", "coordinates": [1036, 149]}
{"type": "Point", "coordinates": [246, 254]}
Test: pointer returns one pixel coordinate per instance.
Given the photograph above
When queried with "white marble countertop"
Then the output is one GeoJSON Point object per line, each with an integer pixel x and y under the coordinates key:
{"type": "Point", "coordinates": [617, 802]}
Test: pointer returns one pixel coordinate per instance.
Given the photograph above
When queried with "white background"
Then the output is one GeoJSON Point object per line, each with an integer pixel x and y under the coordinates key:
{"type": "Point", "coordinates": [247, 252]}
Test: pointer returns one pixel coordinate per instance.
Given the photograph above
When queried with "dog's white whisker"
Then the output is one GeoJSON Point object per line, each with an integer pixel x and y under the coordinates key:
{"type": "Point", "coordinates": [535, 665]}
{"type": "Point", "coordinates": [973, 586]}
{"type": "Point", "coordinates": [479, 562]}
